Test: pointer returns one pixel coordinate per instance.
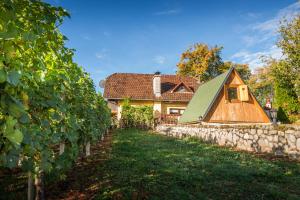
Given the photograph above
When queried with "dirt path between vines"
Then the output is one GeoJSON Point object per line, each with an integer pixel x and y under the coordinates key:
{"type": "Point", "coordinates": [84, 180]}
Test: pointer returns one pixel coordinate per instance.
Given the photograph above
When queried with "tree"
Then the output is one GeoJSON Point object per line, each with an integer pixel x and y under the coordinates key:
{"type": "Point", "coordinates": [289, 42]}
{"type": "Point", "coordinates": [285, 91]}
{"type": "Point", "coordinates": [261, 84]}
{"type": "Point", "coordinates": [242, 69]}
{"type": "Point", "coordinates": [205, 63]}
{"type": "Point", "coordinates": [201, 62]}
{"type": "Point", "coordinates": [286, 72]}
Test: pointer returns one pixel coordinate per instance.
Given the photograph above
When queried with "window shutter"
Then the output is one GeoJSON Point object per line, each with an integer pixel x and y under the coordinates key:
{"type": "Point", "coordinates": [244, 94]}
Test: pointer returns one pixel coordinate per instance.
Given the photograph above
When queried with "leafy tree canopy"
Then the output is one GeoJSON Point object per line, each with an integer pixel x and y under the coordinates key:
{"type": "Point", "coordinates": [243, 69]}
{"type": "Point", "coordinates": [200, 61]}
{"type": "Point", "coordinates": [204, 63]}
{"type": "Point", "coordinates": [261, 84]}
{"type": "Point", "coordinates": [286, 72]}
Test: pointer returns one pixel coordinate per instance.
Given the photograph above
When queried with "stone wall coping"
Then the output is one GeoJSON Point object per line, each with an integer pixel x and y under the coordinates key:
{"type": "Point", "coordinates": [279, 127]}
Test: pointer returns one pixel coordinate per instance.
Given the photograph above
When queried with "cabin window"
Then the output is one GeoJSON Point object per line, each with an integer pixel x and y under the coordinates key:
{"type": "Point", "coordinates": [232, 93]}
{"type": "Point", "coordinates": [176, 111]}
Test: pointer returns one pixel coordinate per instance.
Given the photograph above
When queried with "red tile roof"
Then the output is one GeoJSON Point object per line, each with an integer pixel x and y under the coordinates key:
{"type": "Point", "coordinates": [140, 87]}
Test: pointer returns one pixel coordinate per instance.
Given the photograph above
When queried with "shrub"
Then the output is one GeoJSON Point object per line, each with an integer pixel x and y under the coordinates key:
{"type": "Point", "coordinates": [138, 117]}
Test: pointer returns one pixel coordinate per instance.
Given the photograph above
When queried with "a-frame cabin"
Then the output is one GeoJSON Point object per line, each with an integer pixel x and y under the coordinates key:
{"type": "Point", "coordinates": [224, 99]}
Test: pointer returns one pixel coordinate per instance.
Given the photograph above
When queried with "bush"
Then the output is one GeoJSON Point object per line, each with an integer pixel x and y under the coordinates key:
{"type": "Point", "coordinates": [138, 117]}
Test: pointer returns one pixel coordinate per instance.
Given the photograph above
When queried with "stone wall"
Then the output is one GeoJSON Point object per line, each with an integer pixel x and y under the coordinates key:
{"type": "Point", "coordinates": [280, 140]}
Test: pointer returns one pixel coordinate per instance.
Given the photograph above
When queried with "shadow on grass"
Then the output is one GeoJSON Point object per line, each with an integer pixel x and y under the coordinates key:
{"type": "Point", "coordinates": [148, 166]}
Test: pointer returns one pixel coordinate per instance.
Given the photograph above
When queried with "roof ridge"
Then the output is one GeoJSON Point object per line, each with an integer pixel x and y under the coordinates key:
{"type": "Point", "coordinates": [132, 73]}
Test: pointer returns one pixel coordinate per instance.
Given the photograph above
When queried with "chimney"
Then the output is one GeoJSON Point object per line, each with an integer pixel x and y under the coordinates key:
{"type": "Point", "coordinates": [157, 85]}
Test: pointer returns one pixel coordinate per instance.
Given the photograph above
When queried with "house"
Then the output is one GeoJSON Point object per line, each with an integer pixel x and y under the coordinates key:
{"type": "Point", "coordinates": [168, 94]}
{"type": "Point", "coordinates": [224, 99]}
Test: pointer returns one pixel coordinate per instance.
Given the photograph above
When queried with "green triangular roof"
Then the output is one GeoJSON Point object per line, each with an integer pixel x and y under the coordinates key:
{"type": "Point", "coordinates": [203, 99]}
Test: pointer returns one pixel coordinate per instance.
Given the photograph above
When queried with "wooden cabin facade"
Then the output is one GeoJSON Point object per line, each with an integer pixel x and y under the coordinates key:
{"type": "Point", "coordinates": [224, 99]}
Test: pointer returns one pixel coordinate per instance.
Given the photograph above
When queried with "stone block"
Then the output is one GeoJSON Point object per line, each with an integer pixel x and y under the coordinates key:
{"type": "Point", "coordinates": [273, 132]}
{"type": "Point", "coordinates": [259, 131]}
{"type": "Point", "coordinates": [275, 138]}
{"type": "Point", "coordinates": [290, 131]}
{"type": "Point", "coordinates": [291, 138]}
{"type": "Point", "coordinates": [235, 138]}
{"type": "Point", "coordinates": [282, 139]}
{"type": "Point", "coordinates": [280, 133]}
{"type": "Point", "coordinates": [298, 144]}
{"type": "Point", "coordinates": [246, 136]}
{"type": "Point", "coordinates": [269, 138]}
{"type": "Point", "coordinates": [253, 131]}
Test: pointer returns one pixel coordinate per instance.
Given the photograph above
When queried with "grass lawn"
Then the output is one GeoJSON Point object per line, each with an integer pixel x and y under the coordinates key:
{"type": "Point", "coordinates": [148, 166]}
{"type": "Point", "coordinates": [134, 164]}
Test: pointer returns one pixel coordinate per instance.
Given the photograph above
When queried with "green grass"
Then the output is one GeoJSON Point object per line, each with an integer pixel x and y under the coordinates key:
{"type": "Point", "coordinates": [143, 165]}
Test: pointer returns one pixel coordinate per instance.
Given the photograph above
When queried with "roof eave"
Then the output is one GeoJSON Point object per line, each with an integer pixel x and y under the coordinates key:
{"type": "Point", "coordinates": [111, 98]}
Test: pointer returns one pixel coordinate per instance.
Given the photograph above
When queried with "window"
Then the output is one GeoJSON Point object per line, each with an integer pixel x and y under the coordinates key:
{"type": "Point", "coordinates": [232, 93]}
{"type": "Point", "coordinates": [176, 111]}
{"type": "Point", "coordinates": [181, 89]}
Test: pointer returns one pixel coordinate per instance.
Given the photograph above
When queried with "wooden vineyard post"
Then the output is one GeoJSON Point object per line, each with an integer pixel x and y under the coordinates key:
{"type": "Point", "coordinates": [61, 148]}
{"type": "Point", "coordinates": [88, 149]}
{"type": "Point", "coordinates": [62, 144]}
{"type": "Point", "coordinates": [39, 186]}
{"type": "Point", "coordinates": [30, 187]}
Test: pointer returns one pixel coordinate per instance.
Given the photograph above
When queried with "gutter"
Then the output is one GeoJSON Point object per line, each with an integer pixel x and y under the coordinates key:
{"type": "Point", "coordinates": [145, 99]}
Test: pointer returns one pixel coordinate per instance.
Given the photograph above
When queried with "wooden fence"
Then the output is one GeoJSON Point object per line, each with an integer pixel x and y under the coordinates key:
{"type": "Point", "coordinates": [169, 118]}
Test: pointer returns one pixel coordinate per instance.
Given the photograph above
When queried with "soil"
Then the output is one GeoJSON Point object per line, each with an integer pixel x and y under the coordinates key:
{"type": "Point", "coordinates": [82, 182]}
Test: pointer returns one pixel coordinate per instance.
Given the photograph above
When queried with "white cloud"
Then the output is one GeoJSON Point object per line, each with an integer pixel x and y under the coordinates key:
{"type": "Point", "coordinates": [249, 40]}
{"type": "Point", "coordinates": [253, 15]}
{"type": "Point", "coordinates": [254, 59]}
{"type": "Point", "coordinates": [86, 37]}
{"type": "Point", "coordinates": [168, 12]}
{"type": "Point", "coordinates": [271, 25]}
{"type": "Point", "coordinates": [267, 30]}
{"type": "Point", "coordinates": [102, 54]}
{"type": "Point", "coordinates": [263, 35]}
{"type": "Point", "coordinates": [159, 59]}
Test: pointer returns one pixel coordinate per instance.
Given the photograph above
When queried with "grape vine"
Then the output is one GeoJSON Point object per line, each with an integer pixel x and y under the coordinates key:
{"type": "Point", "coordinates": [46, 98]}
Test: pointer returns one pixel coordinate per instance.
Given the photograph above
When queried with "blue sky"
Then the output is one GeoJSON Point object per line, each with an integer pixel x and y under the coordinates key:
{"type": "Point", "coordinates": [143, 36]}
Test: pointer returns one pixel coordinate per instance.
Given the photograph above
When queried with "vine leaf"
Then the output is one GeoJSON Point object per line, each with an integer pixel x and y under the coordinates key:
{"type": "Point", "coordinates": [14, 77]}
{"type": "Point", "coordinates": [13, 135]}
{"type": "Point", "coordinates": [3, 76]}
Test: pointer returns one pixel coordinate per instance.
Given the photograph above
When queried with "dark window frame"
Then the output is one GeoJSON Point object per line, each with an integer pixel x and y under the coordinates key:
{"type": "Point", "coordinates": [181, 89]}
{"type": "Point", "coordinates": [232, 94]}
{"type": "Point", "coordinates": [178, 111]}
